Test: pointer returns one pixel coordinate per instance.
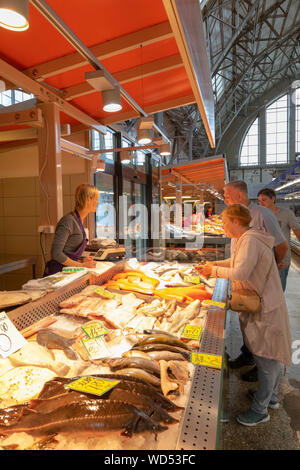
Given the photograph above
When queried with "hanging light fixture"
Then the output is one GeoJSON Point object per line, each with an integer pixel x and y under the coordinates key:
{"type": "Point", "coordinates": [111, 100]}
{"type": "Point", "coordinates": [165, 149]}
{"type": "Point", "coordinates": [14, 14]}
{"type": "Point", "coordinates": [144, 136]}
{"type": "Point", "coordinates": [111, 96]}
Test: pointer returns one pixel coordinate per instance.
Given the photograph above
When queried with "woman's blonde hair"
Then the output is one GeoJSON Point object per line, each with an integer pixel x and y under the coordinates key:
{"type": "Point", "coordinates": [83, 193]}
{"type": "Point", "coordinates": [239, 212]}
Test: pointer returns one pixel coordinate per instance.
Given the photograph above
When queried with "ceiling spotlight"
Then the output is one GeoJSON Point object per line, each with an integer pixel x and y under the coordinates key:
{"type": "Point", "coordinates": [14, 14]}
{"type": "Point", "coordinates": [165, 149]}
{"type": "Point", "coordinates": [111, 96]}
{"type": "Point", "coordinates": [144, 136]}
{"type": "Point", "coordinates": [111, 100]}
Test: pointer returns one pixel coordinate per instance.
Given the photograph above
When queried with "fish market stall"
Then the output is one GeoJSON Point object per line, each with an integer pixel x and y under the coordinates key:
{"type": "Point", "coordinates": [143, 310]}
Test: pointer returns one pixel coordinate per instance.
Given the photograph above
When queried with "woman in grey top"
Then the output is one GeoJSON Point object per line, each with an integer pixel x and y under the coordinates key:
{"type": "Point", "coordinates": [70, 238]}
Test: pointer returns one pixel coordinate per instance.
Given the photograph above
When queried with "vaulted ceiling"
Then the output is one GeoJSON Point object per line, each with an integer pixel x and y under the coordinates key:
{"type": "Point", "coordinates": [252, 45]}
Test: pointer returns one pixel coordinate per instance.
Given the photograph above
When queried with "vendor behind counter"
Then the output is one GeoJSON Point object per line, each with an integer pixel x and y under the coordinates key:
{"type": "Point", "coordinates": [70, 238]}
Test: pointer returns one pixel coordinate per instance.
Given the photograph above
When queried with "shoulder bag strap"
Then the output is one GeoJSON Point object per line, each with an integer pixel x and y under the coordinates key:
{"type": "Point", "coordinates": [269, 272]}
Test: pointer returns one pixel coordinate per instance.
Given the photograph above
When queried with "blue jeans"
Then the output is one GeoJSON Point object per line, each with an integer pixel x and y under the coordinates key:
{"type": "Point", "coordinates": [269, 373]}
{"type": "Point", "coordinates": [283, 274]}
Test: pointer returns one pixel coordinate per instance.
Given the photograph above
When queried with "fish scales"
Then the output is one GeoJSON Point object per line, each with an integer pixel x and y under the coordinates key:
{"type": "Point", "coordinates": [126, 383]}
{"type": "Point", "coordinates": [90, 416]}
{"type": "Point", "coordinates": [163, 347]}
{"type": "Point", "coordinates": [162, 339]}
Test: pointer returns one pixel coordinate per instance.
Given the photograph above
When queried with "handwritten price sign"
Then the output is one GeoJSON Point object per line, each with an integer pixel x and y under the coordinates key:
{"type": "Point", "coordinates": [192, 279]}
{"type": "Point", "coordinates": [214, 303]}
{"type": "Point", "coordinates": [95, 329]}
{"type": "Point", "coordinates": [207, 360]}
{"type": "Point", "coordinates": [105, 293]}
{"type": "Point", "coordinates": [10, 338]}
{"type": "Point", "coordinates": [95, 348]}
{"type": "Point", "coordinates": [92, 385]}
{"type": "Point", "coordinates": [191, 332]}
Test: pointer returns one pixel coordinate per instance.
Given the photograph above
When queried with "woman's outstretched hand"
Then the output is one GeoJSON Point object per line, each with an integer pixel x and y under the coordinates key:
{"type": "Point", "coordinates": [89, 262]}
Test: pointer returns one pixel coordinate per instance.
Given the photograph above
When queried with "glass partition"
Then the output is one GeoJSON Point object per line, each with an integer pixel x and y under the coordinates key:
{"type": "Point", "coordinates": [105, 215]}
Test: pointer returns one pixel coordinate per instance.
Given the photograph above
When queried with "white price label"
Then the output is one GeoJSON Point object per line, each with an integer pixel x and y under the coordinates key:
{"type": "Point", "coordinates": [10, 338]}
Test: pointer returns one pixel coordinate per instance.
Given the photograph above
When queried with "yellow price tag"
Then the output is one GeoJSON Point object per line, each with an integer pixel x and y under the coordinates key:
{"type": "Point", "coordinates": [214, 303]}
{"type": "Point", "coordinates": [105, 293]}
{"type": "Point", "coordinates": [191, 332]}
{"type": "Point", "coordinates": [95, 348]}
{"type": "Point", "coordinates": [192, 279]}
{"type": "Point", "coordinates": [93, 385]}
{"type": "Point", "coordinates": [95, 329]}
{"type": "Point", "coordinates": [207, 360]}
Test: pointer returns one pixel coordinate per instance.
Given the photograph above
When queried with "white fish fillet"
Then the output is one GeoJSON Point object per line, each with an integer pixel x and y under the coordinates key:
{"type": "Point", "coordinates": [33, 354]}
{"type": "Point", "coordinates": [182, 316]}
{"type": "Point", "coordinates": [23, 383]}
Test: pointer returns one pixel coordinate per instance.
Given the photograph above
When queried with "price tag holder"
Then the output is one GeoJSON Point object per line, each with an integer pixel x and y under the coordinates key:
{"type": "Point", "coordinates": [94, 385]}
{"type": "Point", "coordinates": [207, 360]}
{"type": "Point", "coordinates": [105, 293]}
{"type": "Point", "coordinates": [213, 303]}
{"type": "Point", "coordinates": [192, 279]}
{"type": "Point", "coordinates": [72, 270]}
{"type": "Point", "coordinates": [11, 339]}
{"type": "Point", "coordinates": [96, 348]}
{"type": "Point", "coordinates": [191, 332]}
{"type": "Point", "coordinates": [95, 329]}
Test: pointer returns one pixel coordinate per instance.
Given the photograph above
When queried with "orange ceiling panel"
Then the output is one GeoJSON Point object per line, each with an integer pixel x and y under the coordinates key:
{"type": "Point", "coordinates": [96, 23]}
{"type": "Point", "coordinates": [117, 63]}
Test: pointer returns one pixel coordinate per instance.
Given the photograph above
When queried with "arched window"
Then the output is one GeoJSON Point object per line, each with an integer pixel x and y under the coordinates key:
{"type": "Point", "coordinates": [249, 149]}
{"type": "Point", "coordinates": [277, 132]}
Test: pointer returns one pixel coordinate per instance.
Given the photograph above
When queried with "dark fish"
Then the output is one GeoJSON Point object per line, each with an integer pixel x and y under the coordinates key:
{"type": "Point", "coordinates": [151, 408]}
{"type": "Point", "coordinates": [52, 340]}
{"type": "Point", "coordinates": [162, 339]}
{"type": "Point", "coordinates": [147, 365]}
{"type": "Point", "coordinates": [163, 347]}
{"type": "Point", "coordinates": [158, 332]}
{"type": "Point", "coordinates": [12, 414]}
{"type": "Point", "coordinates": [55, 388]}
{"type": "Point", "coordinates": [45, 405]}
{"type": "Point", "coordinates": [141, 374]}
{"type": "Point", "coordinates": [89, 417]}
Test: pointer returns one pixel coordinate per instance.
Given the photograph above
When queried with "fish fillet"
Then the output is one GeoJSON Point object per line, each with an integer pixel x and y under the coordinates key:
{"type": "Point", "coordinates": [32, 354]}
{"type": "Point", "coordinates": [182, 316]}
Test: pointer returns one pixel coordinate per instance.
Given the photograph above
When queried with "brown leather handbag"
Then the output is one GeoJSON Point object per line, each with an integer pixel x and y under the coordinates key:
{"type": "Point", "coordinates": [246, 300]}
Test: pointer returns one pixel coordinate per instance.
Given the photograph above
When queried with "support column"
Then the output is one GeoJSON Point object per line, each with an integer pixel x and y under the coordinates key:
{"type": "Point", "coordinates": [50, 170]}
{"type": "Point", "coordinates": [149, 243]}
{"type": "Point", "coordinates": [90, 179]}
{"type": "Point", "coordinates": [178, 212]}
{"type": "Point", "coordinates": [118, 188]}
{"type": "Point", "coordinates": [292, 126]}
{"type": "Point", "coordinates": [262, 138]}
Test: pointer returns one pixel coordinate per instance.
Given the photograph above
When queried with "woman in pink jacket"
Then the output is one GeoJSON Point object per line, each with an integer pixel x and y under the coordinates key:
{"type": "Point", "coordinates": [267, 334]}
